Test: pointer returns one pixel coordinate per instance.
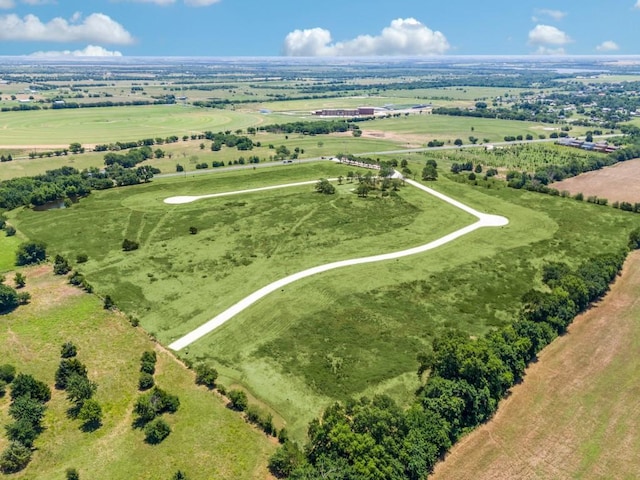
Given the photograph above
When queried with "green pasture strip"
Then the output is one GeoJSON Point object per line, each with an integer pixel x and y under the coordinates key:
{"type": "Point", "coordinates": [208, 440]}
{"type": "Point", "coordinates": [111, 124]}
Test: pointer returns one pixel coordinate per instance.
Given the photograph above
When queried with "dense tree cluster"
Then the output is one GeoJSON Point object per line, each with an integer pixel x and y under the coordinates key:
{"type": "Point", "coordinates": [375, 439]}
{"type": "Point", "coordinates": [309, 128]}
{"type": "Point", "coordinates": [27, 408]}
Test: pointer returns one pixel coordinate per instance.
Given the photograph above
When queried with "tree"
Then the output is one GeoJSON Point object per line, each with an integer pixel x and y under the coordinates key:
{"type": "Point", "coordinates": [108, 303]}
{"type": "Point", "coordinates": [179, 475]}
{"type": "Point", "coordinates": [90, 414]}
{"type": "Point", "coordinates": [22, 431]}
{"type": "Point", "coordinates": [146, 381]}
{"type": "Point", "coordinates": [14, 458]}
{"type": "Point", "coordinates": [9, 230]}
{"type": "Point", "coordinates": [156, 431]}
{"type": "Point", "coordinates": [61, 265]}
{"type": "Point", "coordinates": [363, 189]}
{"type": "Point", "coordinates": [8, 298]}
{"type": "Point", "coordinates": [23, 298]}
{"type": "Point", "coordinates": [31, 252]}
{"type": "Point", "coordinates": [67, 368]}
{"type": "Point", "coordinates": [429, 172]}
{"type": "Point", "coordinates": [76, 148]}
{"type": "Point", "coordinates": [28, 409]}
{"type": "Point", "coordinates": [285, 460]}
{"type": "Point", "coordinates": [458, 142]}
{"type": "Point", "coordinates": [206, 375]}
{"type": "Point", "coordinates": [26, 385]}
{"type": "Point", "coordinates": [80, 389]}
{"type": "Point", "coordinates": [324, 186]}
{"type": "Point", "coordinates": [193, 230]}
{"type": "Point", "coordinates": [20, 280]}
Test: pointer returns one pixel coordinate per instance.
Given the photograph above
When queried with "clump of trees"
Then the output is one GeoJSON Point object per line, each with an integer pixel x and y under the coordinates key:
{"type": "Point", "coordinates": [31, 252]}
{"type": "Point", "coordinates": [28, 404]}
{"type": "Point", "coordinates": [72, 377]}
{"type": "Point", "coordinates": [325, 186]}
{"type": "Point", "coordinates": [375, 438]}
{"type": "Point", "coordinates": [430, 170]}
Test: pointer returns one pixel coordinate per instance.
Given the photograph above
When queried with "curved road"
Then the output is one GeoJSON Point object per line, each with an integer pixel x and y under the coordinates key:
{"type": "Point", "coordinates": [484, 220]}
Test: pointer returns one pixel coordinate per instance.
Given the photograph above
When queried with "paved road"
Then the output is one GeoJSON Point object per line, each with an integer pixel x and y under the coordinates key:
{"type": "Point", "coordinates": [484, 220]}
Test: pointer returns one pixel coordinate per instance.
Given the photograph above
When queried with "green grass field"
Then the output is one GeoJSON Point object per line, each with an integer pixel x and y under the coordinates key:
{"type": "Point", "coordinates": [8, 247]}
{"type": "Point", "coordinates": [342, 333]}
{"type": "Point", "coordinates": [207, 441]}
{"type": "Point", "coordinates": [111, 124]}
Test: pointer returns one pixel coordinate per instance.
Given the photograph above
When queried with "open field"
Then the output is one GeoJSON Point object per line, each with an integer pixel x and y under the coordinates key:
{"type": "Point", "coordinates": [575, 414]}
{"type": "Point", "coordinates": [208, 440]}
{"type": "Point", "coordinates": [329, 336]}
{"type": "Point", "coordinates": [445, 127]}
{"type": "Point", "coordinates": [8, 247]}
{"type": "Point", "coordinates": [616, 183]}
{"type": "Point", "coordinates": [111, 124]}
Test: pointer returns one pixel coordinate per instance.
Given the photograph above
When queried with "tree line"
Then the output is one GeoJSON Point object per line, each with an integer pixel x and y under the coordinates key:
{"type": "Point", "coordinates": [373, 438]}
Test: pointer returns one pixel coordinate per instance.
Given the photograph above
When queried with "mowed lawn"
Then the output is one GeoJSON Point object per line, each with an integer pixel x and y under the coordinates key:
{"type": "Point", "coordinates": [576, 413]}
{"type": "Point", "coordinates": [208, 440]}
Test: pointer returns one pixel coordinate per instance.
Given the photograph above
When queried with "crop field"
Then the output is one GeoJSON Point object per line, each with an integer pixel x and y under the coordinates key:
{"type": "Point", "coordinates": [574, 404]}
{"type": "Point", "coordinates": [111, 124]}
{"type": "Point", "coordinates": [346, 332]}
{"type": "Point", "coordinates": [208, 440]}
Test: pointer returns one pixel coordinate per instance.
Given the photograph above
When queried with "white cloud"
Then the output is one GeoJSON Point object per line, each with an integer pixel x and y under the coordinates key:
{"type": "Point", "coordinates": [4, 4]}
{"type": "Point", "coordinates": [405, 36]}
{"type": "Point", "coordinates": [608, 46]}
{"type": "Point", "coordinates": [38, 2]}
{"type": "Point", "coordinates": [548, 35]}
{"type": "Point", "coordinates": [556, 15]}
{"type": "Point", "coordinates": [97, 27]}
{"type": "Point", "coordinates": [542, 50]}
{"type": "Point", "coordinates": [88, 51]}
{"type": "Point", "coordinates": [637, 5]}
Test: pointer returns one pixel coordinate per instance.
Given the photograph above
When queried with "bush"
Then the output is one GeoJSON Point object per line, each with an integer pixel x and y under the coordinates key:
{"type": "Point", "coordinates": [285, 460]}
{"type": "Point", "coordinates": [3, 388]}
{"type": "Point", "coordinates": [68, 350]}
{"type": "Point", "coordinates": [193, 230]}
{"type": "Point", "coordinates": [66, 368]}
{"type": "Point", "coordinates": [9, 230]}
{"type": "Point", "coordinates": [206, 375]}
{"type": "Point", "coordinates": [22, 431]}
{"type": "Point", "coordinates": [14, 458]}
{"type": "Point", "coordinates": [72, 474]}
{"type": "Point", "coordinates": [61, 266]}
{"type": "Point", "coordinates": [129, 245]}
{"type": "Point", "coordinates": [82, 258]}
{"type": "Point", "coordinates": [238, 400]}
{"type": "Point", "coordinates": [24, 298]}
{"type": "Point", "coordinates": [146, 381]}
{"type": "Point", "coordinates": [156, 431]}
{"type": "Point", "coordinates": [108, 303]}
{"type": "Point", "coordinates": [20, 280]}
{"type": "Point", "coordinates": [31, 252]}
{"type": "Point", "coordinates": [8, 298]}
{"type": "Point", "coordinates": [7, 373]}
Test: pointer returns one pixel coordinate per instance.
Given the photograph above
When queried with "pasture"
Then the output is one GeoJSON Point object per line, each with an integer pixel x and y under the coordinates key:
{"type": "Point", "coordinates": [208, 440]}
{"type": "Point", "coordinates": [575, 403]}
{"type": "Point", "coordinates": [346, 332]}
{"type": "Point", "coordinates": [111, 124]}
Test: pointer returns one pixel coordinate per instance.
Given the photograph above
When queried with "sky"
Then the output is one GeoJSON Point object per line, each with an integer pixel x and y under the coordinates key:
{"type": "Point", "coordinates": [310, 28]}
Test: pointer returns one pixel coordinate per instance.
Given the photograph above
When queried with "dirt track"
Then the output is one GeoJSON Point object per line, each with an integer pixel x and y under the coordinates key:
{"type": "Point", "coordinates": [616, 183]}
{"type": "Point", "coordinates": [577, 413]}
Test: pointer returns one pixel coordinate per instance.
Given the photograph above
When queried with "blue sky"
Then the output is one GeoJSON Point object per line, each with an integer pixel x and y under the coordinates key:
{"type": "Point", "coordinates": [318, 28]}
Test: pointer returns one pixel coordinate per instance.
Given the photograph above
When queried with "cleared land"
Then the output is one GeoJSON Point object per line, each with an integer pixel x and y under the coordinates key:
{"type": "Point", "coordinates": [616, 183]}
{"type": "Point", "coordinates": [343, 333]}
{"type": "Point", "coordinates": [575, 414]}
{"type": "Point", "coordinates": [208, 440]}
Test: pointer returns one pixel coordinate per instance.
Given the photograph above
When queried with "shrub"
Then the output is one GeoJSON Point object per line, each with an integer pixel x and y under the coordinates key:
{"type": "Point", "coordinates": [82, 258]}
{"type": "Point", "coordinates": [146, 381]}
{"type": "Point", "coordinates": [108, 303]}
{"type": "Point", "coordinates": [68, 350]}
{"type": "Point", "coordinates": [22, 431]}
{"type": "Point", "coordinates": [20, 280]}
{"type": "Point", "coordinates": [156, 431]}
{"type": "Point", "coordinates": [206, 375]}
{"type": "Point", "coordinates": [129, 245]}
{"type": "Point", "coordinates": [24, 298]}
{"type": "Point", "coordinates": [14, 458]}
{"type": "Point", "coordinates": [72, 474]}
{"type": "Point", "coordinates": [7, 373]}
{"type": "Point", "coordinates": [8, 298]}
{"type": "Point", "coordinates": [238, 400]}
{"type": "Point", "coordinates": [9, 230]}
{"type": "Point", "coordinates": [66, 368]}
{"type": "Point", "coordinates": [61, 266]}
{"type": "Point", "coordinates": [193, 230]}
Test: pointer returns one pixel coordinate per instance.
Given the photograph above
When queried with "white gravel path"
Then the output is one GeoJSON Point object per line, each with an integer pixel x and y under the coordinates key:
{"type": "Point", "coordinates": [484, 220]}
